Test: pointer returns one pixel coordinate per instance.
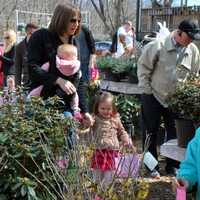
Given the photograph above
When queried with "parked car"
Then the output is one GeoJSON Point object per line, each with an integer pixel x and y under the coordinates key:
{"type": "Point", "coordinates": [103, 47]}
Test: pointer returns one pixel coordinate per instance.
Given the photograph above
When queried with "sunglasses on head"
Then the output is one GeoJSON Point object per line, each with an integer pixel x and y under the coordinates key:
{"type": "Point", "coordinates": [7, 37]}
{"type": "Point", "coordinates": [75, 20]}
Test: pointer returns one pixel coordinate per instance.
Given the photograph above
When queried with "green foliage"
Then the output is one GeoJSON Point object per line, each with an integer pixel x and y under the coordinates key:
{"type": "Point", "coordinates": [186, 100]}
{"type": "Point", "coordinates": [128, 106]}
{"type": "Point", "coordinates": [104, 62]}
{"type": "Point", "coordinates": [118, 65]}
{"type": "Point", "coordinates": [32, 141]}
{"type": "Point", "coordinates": [32, 135]}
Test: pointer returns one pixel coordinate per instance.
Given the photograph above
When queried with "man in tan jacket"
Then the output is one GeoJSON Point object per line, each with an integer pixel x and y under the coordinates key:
{"type": "Point", "coordinates": [164, 62]}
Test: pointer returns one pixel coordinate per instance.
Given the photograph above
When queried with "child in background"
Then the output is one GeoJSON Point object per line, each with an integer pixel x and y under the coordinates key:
{"type": "Point", "coordinates": [107, 131]}
{"type": "Point", "coordinates": [68, 65]}
{"type": "Point", "coordinates": [188, 174]}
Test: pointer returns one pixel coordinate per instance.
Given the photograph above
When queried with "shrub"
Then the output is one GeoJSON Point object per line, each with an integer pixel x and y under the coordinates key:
{"type": "Point", "coordinates": [128, 106]}
{"type": "Point", "coordinates": [32, 136]}
{"type": "Point", "coordinates": [185, 101]}
{"type": "Point", "coordinates": [118, 65]}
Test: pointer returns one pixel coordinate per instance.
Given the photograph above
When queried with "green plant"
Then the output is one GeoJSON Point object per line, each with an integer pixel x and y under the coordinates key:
{"type": "Point", "coordinates": [117, 65]}
{"type": "Point", "coordinates": [185, 101]}
{"type": "Point", "coordinates": [104, 63]}
{"type": "Point", "coordinates": [32, 136]}
{"type": "Point", "coordinates": [128, 106]}
{"type": "Point", "coordinates": [32, 140]}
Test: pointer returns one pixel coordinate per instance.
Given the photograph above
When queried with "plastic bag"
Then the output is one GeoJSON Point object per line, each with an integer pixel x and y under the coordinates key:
{"type": "Point", "coordinates": [127, 165]}
{"type": "Point", "coordinates": [94, 73]}
{"type": "Point", "coordinates": [181, 193]}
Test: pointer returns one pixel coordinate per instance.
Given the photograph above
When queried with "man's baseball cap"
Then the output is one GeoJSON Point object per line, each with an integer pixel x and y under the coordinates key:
{"type": "Point", "coordinates": [191, 27]}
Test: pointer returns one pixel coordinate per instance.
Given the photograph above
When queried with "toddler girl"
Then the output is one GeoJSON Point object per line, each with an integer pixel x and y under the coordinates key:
{"type": "Point", "coordinates": [68, 65]}
{"type": "Point", "coordinates": [108, 132]}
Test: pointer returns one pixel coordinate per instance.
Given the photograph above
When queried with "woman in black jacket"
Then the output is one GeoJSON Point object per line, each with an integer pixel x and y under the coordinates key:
{"type": "Point", "coordinates": [42, 48]}
{"type": "Point", "coordinates": [8, 57]}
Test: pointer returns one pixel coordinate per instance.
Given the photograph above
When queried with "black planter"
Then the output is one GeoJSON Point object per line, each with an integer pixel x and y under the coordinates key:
{"type": "Point", "coordinates": [113, 77]}
{"type": "Point", "coordinates": [104, 73]}
{"type": "Point", "coordinates": [161, 136]}
{"type": "Point", "coordinates": [185, 131]}
{"type": "Point", "coordinates": [133, 79]}
{"type": "Point", "coordinates": [129, 127]}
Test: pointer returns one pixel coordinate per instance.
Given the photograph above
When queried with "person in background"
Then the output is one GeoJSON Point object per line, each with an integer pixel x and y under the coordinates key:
{"type": "Point", "coordinates": [188, 173]}
{"type": "Point", "coordinates": [122, 45]}
{"type": "Point", "coordinates": [8, 56]}
{"type": "Point", "coordinates": [164, 62]}
{"type": "Point", "coordinates": [21, 67]}
{"type": "Point", "coordinates": [42, 48]}
{"type": "Point", "coordinates": [107, 132]}
{"type": "Point", "coordinates": [87, 52]}
{"type": "Point", "coordinates": [130, 42]}
{"type": "Point", "coordinates": [1, 69]}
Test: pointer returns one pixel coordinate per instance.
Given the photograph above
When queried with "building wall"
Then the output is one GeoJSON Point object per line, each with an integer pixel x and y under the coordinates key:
{"type": "Point", "coordinates": [172, 16]}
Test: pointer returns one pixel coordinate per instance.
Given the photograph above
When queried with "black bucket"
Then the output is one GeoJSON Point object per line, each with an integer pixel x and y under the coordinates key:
{"type": "Point", "coordinates": [185, 131]}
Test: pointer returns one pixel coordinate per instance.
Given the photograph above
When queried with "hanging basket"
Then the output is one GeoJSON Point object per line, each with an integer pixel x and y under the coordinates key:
{"type": "Point", "coordinates": [185, 131]}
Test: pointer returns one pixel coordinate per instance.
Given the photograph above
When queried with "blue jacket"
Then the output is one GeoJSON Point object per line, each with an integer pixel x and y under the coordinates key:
{"type": "Point", "coordinates": [190, 167]}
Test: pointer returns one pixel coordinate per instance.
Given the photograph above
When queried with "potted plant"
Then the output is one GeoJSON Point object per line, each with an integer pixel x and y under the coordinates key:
{"type": "Point", "coordinates": [118, 68]}
{"type": "Point", "coordinates": [104, 65]}
{"type": "Point", "coordinates": [125, 69]}
{"type": "Point", "coordinates": [128, 108]}
{"type": "Point", "coordinates": [185, 102]}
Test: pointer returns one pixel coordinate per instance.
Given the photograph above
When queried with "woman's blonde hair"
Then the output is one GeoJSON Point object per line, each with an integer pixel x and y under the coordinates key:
{"type": "Point", "coordinates": [10, 41]}
{"type": "Point", "coordinates": [62, 15]}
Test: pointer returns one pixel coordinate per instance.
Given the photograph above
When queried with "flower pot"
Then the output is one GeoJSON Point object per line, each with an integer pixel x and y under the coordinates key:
{"type": "Point", "coordinates": [185, 131]}
{"type": "Point", "coordinates": [132, 79]}
{"type": "Point", "coordinates": [113, 77]}
{"type": "Point", "coordinates": [129, 127]}
{"type": "Point", "coordinates": [161, 136]}
{"type": "Point", "coordinates": [104, 73]}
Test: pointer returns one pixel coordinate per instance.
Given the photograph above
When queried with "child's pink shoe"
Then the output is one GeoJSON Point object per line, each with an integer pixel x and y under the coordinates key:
{"type": "Point", "coordinates": [78, 116]}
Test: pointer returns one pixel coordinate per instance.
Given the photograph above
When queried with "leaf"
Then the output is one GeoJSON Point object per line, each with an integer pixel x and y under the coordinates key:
{"type": "Point", "coordinates": [23, 190]}
{"type": "Point", "coordinates": [3, 197]}
{"type": "Point", "coordinates": [18, 155]}
{"type": "Point", "coordinates": [16, 186]}
{"type": "Point", "coordinates": [3, 138]}
{"type": "Point", "coordinates": [31, 191]}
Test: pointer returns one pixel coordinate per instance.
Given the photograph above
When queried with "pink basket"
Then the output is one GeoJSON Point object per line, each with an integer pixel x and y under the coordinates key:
{"type": "Point", "coordinates": [127, 165]}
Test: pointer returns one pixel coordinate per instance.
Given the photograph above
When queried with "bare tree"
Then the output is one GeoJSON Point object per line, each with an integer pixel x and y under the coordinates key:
{"type": "Point", "coordinates": [111, 12]}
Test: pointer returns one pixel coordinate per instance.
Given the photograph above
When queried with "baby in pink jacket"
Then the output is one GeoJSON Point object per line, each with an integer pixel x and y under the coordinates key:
{"type": "Point", "coordinates": [68, 64]}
